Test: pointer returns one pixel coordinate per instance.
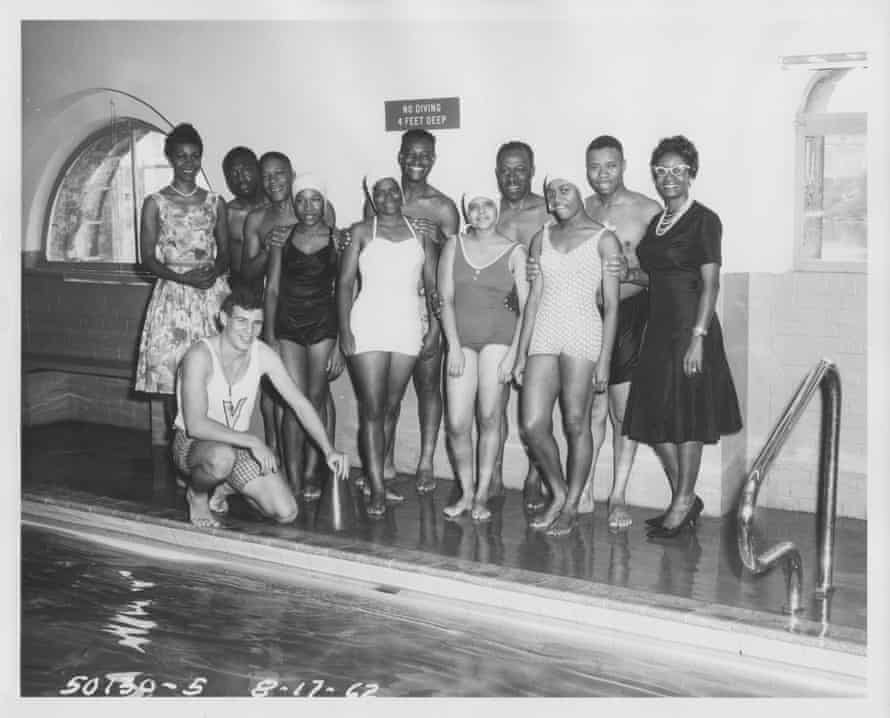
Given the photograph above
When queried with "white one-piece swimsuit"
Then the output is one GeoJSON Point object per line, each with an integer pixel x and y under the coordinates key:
{"type": "Point", "coordinates": [567, 321]}
{"type": "Point", "coordinates": [386, 314]}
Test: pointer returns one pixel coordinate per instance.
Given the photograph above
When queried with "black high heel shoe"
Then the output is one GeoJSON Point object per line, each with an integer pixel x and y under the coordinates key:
{"type": "Point", "coordinates": [659, 520]}
{"type": "Point", "coordinates": [689, 520]}
{"type": "Point", "coordinates": [656, 520]}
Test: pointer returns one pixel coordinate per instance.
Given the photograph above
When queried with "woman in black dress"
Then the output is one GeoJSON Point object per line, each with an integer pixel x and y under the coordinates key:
{"type": "Point", "coordinates": [682, 395]}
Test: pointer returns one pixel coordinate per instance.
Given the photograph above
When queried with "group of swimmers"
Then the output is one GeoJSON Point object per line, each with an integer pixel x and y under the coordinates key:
{"type": "Point", "coordinates": [546, 293]}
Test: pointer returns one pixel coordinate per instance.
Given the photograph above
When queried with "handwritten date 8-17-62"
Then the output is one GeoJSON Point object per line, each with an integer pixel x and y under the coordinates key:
{"type": "Point", "coordinates": [297, 688]}
{"type": "Point", "coordinates": [126, 684]}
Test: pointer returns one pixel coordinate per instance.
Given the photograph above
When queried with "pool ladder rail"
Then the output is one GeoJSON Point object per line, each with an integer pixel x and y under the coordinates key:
{"type": "Point", "coordinates": [823, 376]}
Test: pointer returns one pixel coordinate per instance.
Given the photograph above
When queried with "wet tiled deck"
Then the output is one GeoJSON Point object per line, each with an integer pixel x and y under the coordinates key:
{"type": "Point", "coordinates": [110, 468]}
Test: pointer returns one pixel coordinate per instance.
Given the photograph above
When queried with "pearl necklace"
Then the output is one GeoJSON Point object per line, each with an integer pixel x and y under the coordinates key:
{"type": "Point", "coordinates": [184, 194]}
{"type": "Point", "coordinates": [669, 219]}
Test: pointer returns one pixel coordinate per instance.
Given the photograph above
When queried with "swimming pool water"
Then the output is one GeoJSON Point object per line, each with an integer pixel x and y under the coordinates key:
{"type": "Point", "coordinates": [100, 621]}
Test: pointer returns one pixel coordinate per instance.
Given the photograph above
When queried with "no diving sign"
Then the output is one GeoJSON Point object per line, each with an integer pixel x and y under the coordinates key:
{"type": "Point", "coordinates": [437, 113]}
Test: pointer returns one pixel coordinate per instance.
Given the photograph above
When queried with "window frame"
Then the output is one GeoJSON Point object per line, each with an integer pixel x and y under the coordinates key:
{"type": "Point", "coordinates": [96, 272]}
{"type": "Point", "coordinates": [810, 123]}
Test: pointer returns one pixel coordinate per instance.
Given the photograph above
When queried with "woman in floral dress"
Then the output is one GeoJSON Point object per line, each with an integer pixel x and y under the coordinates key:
{"type": "Point", "coordinates": [185, 244]}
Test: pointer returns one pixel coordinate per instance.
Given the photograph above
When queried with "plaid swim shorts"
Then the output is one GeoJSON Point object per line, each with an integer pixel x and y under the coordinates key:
{"type": "Point", "coordinates": [245, 470]}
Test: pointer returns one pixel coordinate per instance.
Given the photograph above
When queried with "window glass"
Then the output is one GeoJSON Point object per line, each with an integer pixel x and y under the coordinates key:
{"type": "Point", "coordinates": [94, 216]}
{"type": "Point", "coordinates": [834, 172]}
{"type": "Point", "coordinates": [835, 214]}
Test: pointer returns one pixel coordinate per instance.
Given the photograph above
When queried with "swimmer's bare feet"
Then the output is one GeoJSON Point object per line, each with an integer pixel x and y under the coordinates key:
{"type": "Point", "coordinates": [426, 482]}
{"type": "Point", "coordinates": [480, 511]}
{"type": "Point", "coordinates": [312, 492]}
{"type": "Point", "coordinates": [585, 502]}
{"type": "Point", "coordinates": [549, 516]}
{"type": "Point", "coordinates": [377, 508]}
{"type": "Point", "coordinates": [199, 509]}
{"type": "Point", "coordinates": [563, 525]}
{"type": "Point", "coordinates": [533, 495]}
{"type": "Point", "coordinates": [219, 501]}
{"type": "Point", "coordinates": [619, 518]}
{"type": "Point", "coordinates": [457, 509]}
{"type": "Point", "coordinates": [390, 496]}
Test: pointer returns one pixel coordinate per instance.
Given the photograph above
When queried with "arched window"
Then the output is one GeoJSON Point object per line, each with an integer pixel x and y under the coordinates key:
{"type": "Point", "coordinates": [832, 227]}
{"type": "Point", "coordinates": [95, 207]}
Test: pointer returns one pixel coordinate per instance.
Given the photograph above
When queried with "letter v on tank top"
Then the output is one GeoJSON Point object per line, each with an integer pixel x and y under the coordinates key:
{"type": "Point", "coordinates": [385, 316]}
{"type": "Point", "coordinates": [229, 404]}
{"type": "Point", "coordinates": [479, 292]}
{"type": "Point", "coordinates": [568, 321]}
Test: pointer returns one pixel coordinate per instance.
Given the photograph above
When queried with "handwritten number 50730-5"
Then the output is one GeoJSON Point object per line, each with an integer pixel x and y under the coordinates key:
{"type": "Point", "coordinates": [91, 685]}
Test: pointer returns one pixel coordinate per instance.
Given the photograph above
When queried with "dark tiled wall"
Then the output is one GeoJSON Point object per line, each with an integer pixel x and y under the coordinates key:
{"type": "Point", "coordinates": [89, 318]}
{"type": "Point", "coordinates": [84, 320]}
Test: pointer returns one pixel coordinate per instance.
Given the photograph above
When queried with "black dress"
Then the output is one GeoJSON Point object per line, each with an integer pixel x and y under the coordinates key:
{"type": "Point", "coordinates": [664, 404]}
{"type": "Point", "coordinates": [307, 311]}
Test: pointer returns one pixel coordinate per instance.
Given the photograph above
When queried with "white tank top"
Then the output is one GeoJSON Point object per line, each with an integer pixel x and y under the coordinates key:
{"type": "Point", "coordinates": [229, 404]}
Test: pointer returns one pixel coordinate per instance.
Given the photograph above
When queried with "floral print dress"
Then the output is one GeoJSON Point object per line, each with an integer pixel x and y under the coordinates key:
{"type": "Point", "coordinates": [179, 314]}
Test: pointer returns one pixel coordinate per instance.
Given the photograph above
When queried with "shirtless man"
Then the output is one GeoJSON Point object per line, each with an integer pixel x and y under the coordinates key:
{"type": "Point", "coordinates": [522, 211]}
{"type": "Point", "coordinates": [436, 215]}
{"type": "Point", "coordinates": [219, 378]}
{"type": "Point", "coordinates": [270, 226]}
{"type": "Point", "coordinates": [522, 214]}
{"type": "Point", "coordinates": [626, 213]}
{"type": "Point", "coordinates": [242, 173]}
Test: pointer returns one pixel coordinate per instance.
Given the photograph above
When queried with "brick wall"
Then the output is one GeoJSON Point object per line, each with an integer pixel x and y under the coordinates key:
{"type": "Point", "coordinates": [97, 318]}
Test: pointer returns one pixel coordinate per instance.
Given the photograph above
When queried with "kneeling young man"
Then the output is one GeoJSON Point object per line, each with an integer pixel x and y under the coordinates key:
{"type": "Point", "coordinates": [219, 379]}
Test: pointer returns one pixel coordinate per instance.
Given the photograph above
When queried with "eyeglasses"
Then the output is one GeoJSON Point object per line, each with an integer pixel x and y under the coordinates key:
{"type": "Point", "coordinates": [677, 171]}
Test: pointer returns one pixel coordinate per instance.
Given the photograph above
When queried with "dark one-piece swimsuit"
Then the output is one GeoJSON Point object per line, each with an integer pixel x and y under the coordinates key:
{"type": "Point", "coordinates": [307, 311]}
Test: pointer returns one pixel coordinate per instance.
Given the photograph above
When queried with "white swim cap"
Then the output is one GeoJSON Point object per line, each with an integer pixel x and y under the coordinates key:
{"type": "Point", "coordinates": [565, 179]}
{"type": "Point", "coordinates": [468, 198]}
{"type": "Point", "coordinates": [376, 176]}
{"type": "Point", "coordinates": [310, 180]}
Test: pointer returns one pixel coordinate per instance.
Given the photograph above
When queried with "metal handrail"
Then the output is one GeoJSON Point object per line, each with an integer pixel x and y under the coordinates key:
{"type": "Point", "coordinates": [824, 376]}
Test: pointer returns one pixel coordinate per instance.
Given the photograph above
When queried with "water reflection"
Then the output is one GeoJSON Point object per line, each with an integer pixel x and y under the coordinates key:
{"type": "Point", "coordinates": [130, 628]}
{"type": "Point", "coordinates": [619, 558]}
{"type": "Point", "coordinates": [219, 630]}
{"type": "Point", "coordinates": [678, 566]}
{"type": "Point", "coordinates": [427, 534]}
